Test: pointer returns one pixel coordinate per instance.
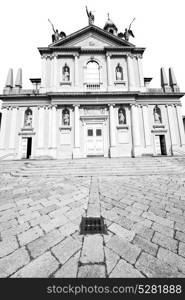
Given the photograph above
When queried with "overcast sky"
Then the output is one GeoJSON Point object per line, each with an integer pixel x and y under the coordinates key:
{"type": "Point", "coordinates": [159, 26]}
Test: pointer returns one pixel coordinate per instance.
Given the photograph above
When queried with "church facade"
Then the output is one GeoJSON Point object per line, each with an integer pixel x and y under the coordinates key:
{"type": "Point", "coordinates": [92, 100]}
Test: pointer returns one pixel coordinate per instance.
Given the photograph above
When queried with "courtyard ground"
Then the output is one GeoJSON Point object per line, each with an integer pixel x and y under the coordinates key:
{"type": "Point", "coordinates": [142, 201]}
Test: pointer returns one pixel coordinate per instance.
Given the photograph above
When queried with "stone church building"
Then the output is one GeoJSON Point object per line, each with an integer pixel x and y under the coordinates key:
{"type": "Point", "coordinates": [92, 100]}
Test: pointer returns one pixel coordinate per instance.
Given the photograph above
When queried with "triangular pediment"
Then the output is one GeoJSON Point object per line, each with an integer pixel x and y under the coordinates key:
{"type": "Point", "coordinates": [91, 37]}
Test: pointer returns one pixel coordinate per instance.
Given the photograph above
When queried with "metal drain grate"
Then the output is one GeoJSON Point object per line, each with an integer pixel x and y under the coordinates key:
{"type": "Point", "coordinates": [92, 225]}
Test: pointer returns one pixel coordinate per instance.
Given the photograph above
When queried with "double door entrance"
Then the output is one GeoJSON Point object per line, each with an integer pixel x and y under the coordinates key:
{"type": "Point", "coordinates": [94, 140]}
{"type": "Point", "coordinates": [160, 145]}
{"type": "Point", "coordinates": [26, 147]}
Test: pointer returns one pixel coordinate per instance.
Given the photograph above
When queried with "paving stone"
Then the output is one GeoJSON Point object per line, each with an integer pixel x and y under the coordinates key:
{"type": "Point", "coordinates": [92, 271]}
{"type": "Point", "coordinates": [122, 232]}
{"type": "Point", "coordinates": [163, 229]}
{"type": "Point", "coordinates": [153, 267]}
{"type": "Point", "coordinates": [59, 212]}
{"type": "Point", "coordinates": [8, 245]}
{"type": "Point", "coordinates": [65, 249]}
{"type": "Point", "coordinates": [172, 259]}
{"type": "Point", "coordinates": [30, 235]}
{"type": "Point", "coordinates": [28, 217]}
{"type": "Point", "coordinates": [124, 222]}
{"type": "Point", "coordinates": [13, 262]}
{"type": "Point", "coordinates": [176, 217]}
{"type": "Point", "coordinates": [8, 224]}
{"type": "Point", "coordinates": [125, 270]}
{"type": "Point", "coordinates": [68, 229]}
{"type": "Point", "coordinates": [179, 226]}
{"type": "Point", "coordinates": [7, 206]}
{"type": "Point", "coordinates": [44, 243]}
{"type": "Point", "coordinates": [40, 220]}
{"type": "Point", "coordinates": [48, 209]}
{"type": "Point", "coordinates": [70, 268]}
{"type": "Point", "coordinates": [165, 242]}
{"type": "Point", "coordinates": [163, 221]}
{"type": "Point", "coordinates": [41, 267]}
{"type": "Point", "coordinates": [145, 245]}
{"type": "Point", "coordinates": [111, 259]}
{"type": "Point", "coordinates": [15, 230]}
{"type": "Point", "coordinates": [54, 223]}
{"type": "Point", "coordinates": [143, 231]}
{"type": "Point", "coordinates": [92, 250]}
{"type": "Point", "coordinates": [180, 236]}
{"type": "Point", "coordinates": [181, 250]}
{"type": "Point", "coordinates": [141, 206]}
{"type": "Point", "coordinates": [125, 249]}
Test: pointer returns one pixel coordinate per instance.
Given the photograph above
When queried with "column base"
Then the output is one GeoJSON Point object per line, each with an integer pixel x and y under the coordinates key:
{"type": "Point", "coordinates": [137, 151]}
{"type": "Point", "coordinates": [148, 151]}
{"type": "Point", "coordinates": [178, 151]}
{"type": "Point", "coordinates": [113, 152]}
{"type": "Point", "coordinates": [76, 153]}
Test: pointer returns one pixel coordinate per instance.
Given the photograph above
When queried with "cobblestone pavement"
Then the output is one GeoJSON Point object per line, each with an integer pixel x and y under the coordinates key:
{"type": "Point", "coordinates": [145, 215]}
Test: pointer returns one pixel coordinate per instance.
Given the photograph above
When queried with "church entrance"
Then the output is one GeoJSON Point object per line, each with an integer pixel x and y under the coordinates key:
{"type": "Point", "coordinates": [160, 145]}
{"type": "Point", "coordinates": [26, 147]}
{"type": "Point", "coordinates": [94, 140]}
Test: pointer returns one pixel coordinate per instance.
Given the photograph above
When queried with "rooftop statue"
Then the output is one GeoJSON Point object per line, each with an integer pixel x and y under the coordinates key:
{"type": "Point", "coordinates": [56, 35]}
{"type": "Point", "coordinates": [128, 32]}
{"type": "Point", "coordinates": [90, 16]}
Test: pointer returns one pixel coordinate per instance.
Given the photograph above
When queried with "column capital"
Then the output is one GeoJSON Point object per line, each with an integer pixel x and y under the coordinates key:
{"type": "Point", "coordinates": [111, 104]}
{"type": "Point", "coordinates": [108, 55]}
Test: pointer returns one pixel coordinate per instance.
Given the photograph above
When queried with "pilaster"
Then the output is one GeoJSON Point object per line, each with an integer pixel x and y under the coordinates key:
{"type": "Point", "coordinates": [112, 128]}
{"type": "Point", "coordinates": [76, 149]}
{"type": "Point", "coordinates": [13, 127]}
{"type": "Point", "coordinates": [3, 127]}
{"type": "Point", "coordinates": [135, 131]}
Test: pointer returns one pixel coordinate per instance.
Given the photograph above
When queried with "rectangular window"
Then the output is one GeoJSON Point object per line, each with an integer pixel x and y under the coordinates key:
{"type": "Point", "coordinates": [90, 132]}
{"type": "Point", "coordinates": [98, 132]}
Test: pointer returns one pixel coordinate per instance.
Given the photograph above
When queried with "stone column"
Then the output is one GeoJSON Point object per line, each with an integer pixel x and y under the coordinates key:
{"type": "Point", "coordinates": [13, 127]}
{"type": "Point", "coordinates": [54, 126]}
{"type": "Point", "coordinates": [180, 126]}
{"type": "Point", "coordinates": [109, 79]}
{"type": "Point", "coordinates": [50, 127]}
{"type": "Point", "coordinates": [40, 137]}
{"type": "Point", "coordinates": [136, 137]}
{"type": "Point", "coordinates": [76, 150]}
{"type": "Point", "coordinates": [112, 129]}
{"type": "Point", "coordinates": [76, 70]}
{"type": "Point", "coordinates": [131, 76]}
{"type": "Point", "coordinates": [140, 69]}
{"type": "Point", "coordinates": [147, 131]}
{"type": "Point", "coordinates": [3, 127]}
{"type": "Point", "coordinates": [172, 127]}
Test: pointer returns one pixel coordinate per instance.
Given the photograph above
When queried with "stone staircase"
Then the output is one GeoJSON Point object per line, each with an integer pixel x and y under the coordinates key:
{"type": "Point", "coordinates": [95, 167]}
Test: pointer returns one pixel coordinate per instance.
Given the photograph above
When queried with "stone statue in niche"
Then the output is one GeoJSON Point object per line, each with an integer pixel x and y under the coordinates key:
{"type": "Point", "coordinates": [65, 117]}
{"type": "Point", "coordinates": [119, 72]}
{"type": "Point", "coordinates": [157, 115]}
{"type": "Point", "coordinates": [28, 118]}
{"type": "Point", "coordinates": [66, 73]}
{"type": "Point", "coordinates": [121, 116]}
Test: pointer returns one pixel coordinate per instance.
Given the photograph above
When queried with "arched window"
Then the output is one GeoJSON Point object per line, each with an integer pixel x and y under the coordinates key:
{"type": "Point", "coordinates": [65, 117]}
{"type": "Point", "coordinates": [111, 31]}
{"type": "Point", "coordinates": [122, 116]}
{"type": "Point", "coordinates": [93, 72]}
{"type": "Point", "coordinates": [157, 115]}
{"type": "Point", "coordinates": [119, 72]}
{"type": "Point", "coordinates": [28, 118]}
{"type": "Point", "coordinates": [66, 73]}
